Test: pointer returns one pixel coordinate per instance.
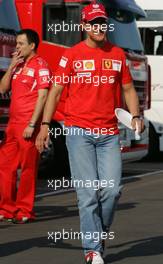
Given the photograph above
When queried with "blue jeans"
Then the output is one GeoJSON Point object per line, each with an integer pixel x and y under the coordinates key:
{"type": "Point", "coordinates": [94, 159]}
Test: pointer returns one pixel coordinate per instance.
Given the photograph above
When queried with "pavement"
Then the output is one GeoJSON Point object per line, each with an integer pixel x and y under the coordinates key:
{"type": "Point", "coordinates": [137, 225]}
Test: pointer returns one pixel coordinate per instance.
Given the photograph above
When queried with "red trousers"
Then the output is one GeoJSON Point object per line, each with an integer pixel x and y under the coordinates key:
{"type": "Point", "coordinates": [16, 152]}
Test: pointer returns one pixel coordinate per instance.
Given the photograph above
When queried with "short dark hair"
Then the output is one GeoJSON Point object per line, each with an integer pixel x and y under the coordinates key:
{"type": "Point", "coordinates": [32, 36]}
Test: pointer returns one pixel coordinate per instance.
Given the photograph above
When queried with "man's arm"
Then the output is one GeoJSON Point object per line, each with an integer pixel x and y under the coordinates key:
{"type": "Point", "coordinates": [6, 79]}
{"type": "Point", "coordinates": [50, 107]}
{"type": "Point", "coordinates": [132, 102]}
{"type": "Point", "coordinates": [131, 99]}
{"type": "Point", "coordinates": [42, 96]}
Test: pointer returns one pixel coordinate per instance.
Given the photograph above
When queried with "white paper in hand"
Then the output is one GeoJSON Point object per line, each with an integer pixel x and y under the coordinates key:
{"type": "Point", "coordinates": [125, 118]}
{"type": "Point", "coordinates": [137, 135]}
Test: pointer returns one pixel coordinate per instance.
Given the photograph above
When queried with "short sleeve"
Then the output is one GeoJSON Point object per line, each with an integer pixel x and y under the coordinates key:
{"type": "Point", "coordinates": [126, 75]}
{"type": "Point", "coordinates": [43, 75]}
{"type": "Point", "coordinates": [65, 69]}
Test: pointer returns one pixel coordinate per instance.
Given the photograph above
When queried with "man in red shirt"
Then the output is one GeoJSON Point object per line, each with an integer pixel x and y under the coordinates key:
{"type": "Point", "coordinates": [28, 76]}
{"type": "Point", "coordinates": [96, 72]}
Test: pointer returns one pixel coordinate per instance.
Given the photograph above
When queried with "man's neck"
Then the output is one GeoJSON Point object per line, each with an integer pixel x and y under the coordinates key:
{"type": "Point", "coordinates": [94, 44]}
{"type": "Point", "coordinates": [30, 57]}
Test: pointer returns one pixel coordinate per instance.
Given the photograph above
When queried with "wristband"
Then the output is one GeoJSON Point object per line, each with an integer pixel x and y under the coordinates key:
{"type": "Point", "coordinates": [136, 116]}
{"type": "Point", "coordinates": [31, 125]}
{"type": "Point", "coordinates": [45, 124]}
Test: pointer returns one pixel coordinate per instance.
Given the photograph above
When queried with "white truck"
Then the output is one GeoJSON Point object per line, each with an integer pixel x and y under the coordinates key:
{"type": "Point", "coordinates": [151, 30]}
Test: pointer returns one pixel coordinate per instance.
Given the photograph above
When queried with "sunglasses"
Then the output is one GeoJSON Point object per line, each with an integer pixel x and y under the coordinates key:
{"type": "Point", "coordinates": [98, 21]}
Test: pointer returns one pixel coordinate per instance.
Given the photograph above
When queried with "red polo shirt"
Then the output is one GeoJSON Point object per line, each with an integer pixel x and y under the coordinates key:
{"type": "Point", "coordinates": [95, 77]}
{"type": "Point", "coordinates": [27, 79]}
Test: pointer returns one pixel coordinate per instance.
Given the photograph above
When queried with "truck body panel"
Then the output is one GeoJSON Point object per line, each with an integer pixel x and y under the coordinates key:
{"type": "Point", "coordinates": [151, 29]}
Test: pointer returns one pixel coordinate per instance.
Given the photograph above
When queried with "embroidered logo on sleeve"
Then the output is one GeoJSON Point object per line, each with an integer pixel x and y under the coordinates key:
{"type": "Point", "coordinates": [43, 72]}
{"type": "Point", "coordinates": [43, 76]}
{"type": "Point", "coordinates": [63, 62]}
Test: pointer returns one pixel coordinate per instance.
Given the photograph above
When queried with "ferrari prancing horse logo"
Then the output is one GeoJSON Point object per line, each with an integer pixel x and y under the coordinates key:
{"type": "Point", "coordinates": [107, 64]}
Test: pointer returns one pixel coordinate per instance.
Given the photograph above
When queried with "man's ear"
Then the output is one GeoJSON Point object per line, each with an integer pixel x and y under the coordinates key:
{"type": "Point", "coordinates": [33, 46]}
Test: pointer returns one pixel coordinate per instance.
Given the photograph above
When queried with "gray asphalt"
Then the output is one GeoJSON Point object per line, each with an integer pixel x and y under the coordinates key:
{"type": "Point", "coordinates": [137, 225]}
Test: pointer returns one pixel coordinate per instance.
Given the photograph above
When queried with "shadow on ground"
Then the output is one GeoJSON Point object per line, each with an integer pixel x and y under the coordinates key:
{"type": "Point", "coordinates": [151, 246]}
{"type": "Point", "coordinates": [145, 247]}
{"type": "Point", "coordinates": [14, 247]}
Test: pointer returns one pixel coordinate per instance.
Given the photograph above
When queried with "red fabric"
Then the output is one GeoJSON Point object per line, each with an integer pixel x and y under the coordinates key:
{"type": "Point", "coordinates": [17, 152]}
{"type": "Point", "coordinates": [27, 79]}
{"type": "Point", "coordinates": [90, 105]}
{"type": "Point", "coordinates": [59, 114]}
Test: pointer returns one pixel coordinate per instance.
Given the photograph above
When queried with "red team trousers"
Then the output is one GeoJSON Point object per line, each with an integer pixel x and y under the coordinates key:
{"type": "Point", "coordinates": [16, 152]}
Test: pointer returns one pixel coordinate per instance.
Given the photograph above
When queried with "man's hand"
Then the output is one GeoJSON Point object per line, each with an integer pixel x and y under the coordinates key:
{"type": "Point", "coordinates": [42, 139]}
{"type": "Point", "coordinates": [28, 132]}
{"type": "Point", "coordinates": [5, 82]}
{"type": "Point", "coordinates": [16, 59]}
{"type": "Point", "coordinates": [138, 124]}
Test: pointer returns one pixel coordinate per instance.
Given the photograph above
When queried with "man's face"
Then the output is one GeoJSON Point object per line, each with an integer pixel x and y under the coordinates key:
{"type": "Point", "coordinates": [96, 29]}
{"type": "Point", "coordinates": [23, 47]}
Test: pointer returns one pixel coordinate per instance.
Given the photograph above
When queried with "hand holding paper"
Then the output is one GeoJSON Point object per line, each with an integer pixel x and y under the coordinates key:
{"type": "Point", "coordinates": [126, 118]}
